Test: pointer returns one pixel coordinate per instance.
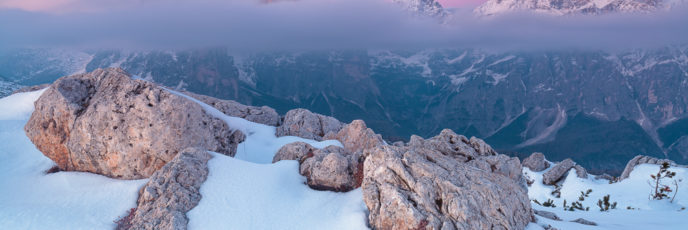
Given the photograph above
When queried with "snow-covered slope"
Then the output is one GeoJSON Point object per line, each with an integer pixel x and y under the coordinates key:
{"type": "Point", "coordinates": [634, 210]}
{"type": "Point", "coordinates": [556, 7]}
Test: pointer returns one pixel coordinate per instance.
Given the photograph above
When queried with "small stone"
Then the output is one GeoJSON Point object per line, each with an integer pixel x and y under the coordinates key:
{"type": "Point", "coordinates": [584, 221]}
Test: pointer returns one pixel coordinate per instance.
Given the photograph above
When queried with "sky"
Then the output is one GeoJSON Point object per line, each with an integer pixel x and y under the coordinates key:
{"type": "Point", "coordinates": [316, 24]}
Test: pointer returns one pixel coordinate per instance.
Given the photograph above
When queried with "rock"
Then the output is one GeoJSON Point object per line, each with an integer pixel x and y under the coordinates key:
{"type": "Point", "coordinates": [557, 172]}
{"type": "Point", "coordinates": [293, 151]}
{"type": "Point", "coordinates": [481, 147]}
{"type": "Point", "coordinates": [584, 221]}
{"type": "Point", "coordinates": [331, 168]}
{"type": "Point", "coordinates": [31, 88]}
{"type": "Point", "coordinates": [640, 159]}
{"type": "Point", "coordinates": [416, 187]}
{"type": "Point", "coordinates": [172, 191]}
{"type": "Point", "coordinates": [263, 115]}
{"type": "Point", "coordinates": [304, 123]}
{"type": "Point", "coordinates": [581, 172]}
{"type": "Point", "coordinates": [399, 143]}
{"type": "Point", "coordinates": [605, 177]}
{"type": "Point", "coordinates": [452, 144]}
{"type": "Point", "coordinates": [536, 162]}
{"type": "Point", "coordinates": [501, 164]}
{"type": "Point", "coordinates": [546, 214]}
{"type": "Point", "coordinates": [104, 122]}
{"type": "Point", "coordinates": [356, 137]}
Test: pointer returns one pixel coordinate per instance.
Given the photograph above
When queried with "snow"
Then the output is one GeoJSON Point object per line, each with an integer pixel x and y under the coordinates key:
{"type": "Point", "coordinates": [31, 199]}
{"type": "Point", "coordinates": [632, 192]}
{"type": "Point", "coordinates": [248, 192]}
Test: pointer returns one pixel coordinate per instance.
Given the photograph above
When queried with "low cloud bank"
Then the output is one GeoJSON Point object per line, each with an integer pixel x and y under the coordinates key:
{"type": "Point", "coordinates": [322, 24]}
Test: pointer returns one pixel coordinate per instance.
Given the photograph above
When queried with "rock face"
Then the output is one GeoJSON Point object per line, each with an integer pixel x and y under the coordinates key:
{"type": "Point", "coordinates": [357, 137]}
{"type": "Point", "coordinates": [581, 172]}
{"type": "Point", "coordinates": [557, 172]}
{"type": "Point", "coordinates": [536, 162]}
{"type": "Point", "coordinates": [428, 184]}
{"type": "Point", "coordinates": [172, 191]}
{"type": "Point", "coordinates": [263, 115]}
{"type": "Point", "coordinates": [640, 159]}
{"type": "Point", "coordinates": [304, 123]}
{"type": "Point", "coordinates": [104, 122]}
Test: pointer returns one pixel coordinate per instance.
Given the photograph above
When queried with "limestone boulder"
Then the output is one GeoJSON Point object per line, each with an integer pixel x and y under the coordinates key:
{"type": "Point", "coordinates": [309, 125]}
{"type": "Point", "coordinates": [356, 137]}
{"type": "Point", "coordinates": [536, 162]}
{"type": "Point", "coordinates": [104, 122]}
{"type": "Point", "coordinates": [640, 159]}
{"type": "Point", "coordinates": [172, 191]}
{"type": "Point", "coordinates": [557, 172]}
{"type": "Point", "coordinates": [263, 115]}
{"type": "Point", "coordinates": [331, 168]}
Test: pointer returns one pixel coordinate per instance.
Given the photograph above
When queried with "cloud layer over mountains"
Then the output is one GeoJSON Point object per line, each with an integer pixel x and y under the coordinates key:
{"type": "Point", "coordinates": [318, 24]}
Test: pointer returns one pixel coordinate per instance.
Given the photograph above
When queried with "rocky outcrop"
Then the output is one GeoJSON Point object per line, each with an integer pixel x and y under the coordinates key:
{"type": "Point", "coordinates": [104, 122]}
{"type": "Point", "coordinates": [500, 164]}
{"type": "Point", "coordinates": [332, 168]}
{"type": "Point", "coordinates": [172, 191]}
{"type": "Point", "coordinates": [356, 137]}
{"type": "Point", "coordinates": [306, 124]}
{"type": "Point", "coordinates": [557, 172]}
{"type": "Point", "coordinates": [431, 184]}
{"type": "Point", "coordinates": [546, 214]}
{"type": "Point", "coordinates": [640, 159]}
{"type": "Point", "coordinates": [581, 172]}
{"type": "Point", "coordinates": [536, 162]}
{"type": "Point", "coordinates": [263, 115]}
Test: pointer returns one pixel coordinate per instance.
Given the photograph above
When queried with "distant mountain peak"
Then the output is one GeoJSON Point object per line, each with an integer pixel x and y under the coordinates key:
{"type": "Point", "coordinates": [558, 7]}
{"type": "Point", "coordinates": [430, 8]}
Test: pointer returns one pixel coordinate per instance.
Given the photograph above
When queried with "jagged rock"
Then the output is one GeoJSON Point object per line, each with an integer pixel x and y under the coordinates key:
{"type": "Point", "coordinates": [536, 162]}
{"type": "Point", "coordinates": [172, 191]}
{"type": "Point", "coordinates": [546, 214]}
{"type": "Point", "coordinates": [104, 122]}
{"type": "Point", "coordinates": [293, 151]}
{"type": "Point", "coordinates": [640, 159]}
{"type": "Point", "coordinates": [584, 221]}
{"type": "Point", "coordinates": [355, 137]}
{"type": "Point", "coordinates": [501, 164]}
{"type": "Point", "coordinates": [581, 172]}
{"type": "Point", "coordinates": [450, 143]}
{"type": "Point", "coordinates": [557, 172]}
{"type": "Point", "coordinates": [263, 115]}
{"type": "Point", "coordinates": [331, 168]}
{"type": "Point", "coordinates": [31, 88]}
{"type": "Point", "coordinates": [399, 143]}
{"type": "Point", "coordinates": [481, 147]}
{"type": "Point", "coordinates": [304, 123]}
{"type": "Point", "coordinates": [416, 187]}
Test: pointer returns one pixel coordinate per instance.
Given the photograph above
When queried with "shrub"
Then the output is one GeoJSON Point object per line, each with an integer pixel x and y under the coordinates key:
{"type": "Point", "coordinates": [605, 205]}
{"type": "Point", "coordinates": [662, 191]}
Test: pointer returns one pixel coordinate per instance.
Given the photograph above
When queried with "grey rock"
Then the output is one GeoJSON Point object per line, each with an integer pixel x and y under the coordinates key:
{"type": "Point", "coordinates": [500, 164]}
{"type": "Point", "coordinates": [536, 162]}
{"type": "Point", "coordinates": [104, 122]}
{"type": "Point", "coordinates": [557, 172]}
{"type": "Point", "coordinates": [640, 159]}
{"type": "Point", "coordinates": [263, 115]}
{"type": "Point", "coordinates": [331, 168]}
{"type": "Point", "coordinates": [605, 177]}
{"type": "Point", "coordinates": [293, 151]}
{"type": "Point", "coordinates": [356, 137]}
{"type": "Point", "coordinates": [172, 191]}
{"type": "Point", "coordinates": [416, 187]}
{"type": "Point", "coordinates": [581, 172]}
{"type": "Point", "coordinates": [584, 221]}
{"type": "Point", "coordinates": [309, 125]}
{"type": "Point", "coordinates": [546, 214]}
{"type": "Point", "coordinates": [452, 144]}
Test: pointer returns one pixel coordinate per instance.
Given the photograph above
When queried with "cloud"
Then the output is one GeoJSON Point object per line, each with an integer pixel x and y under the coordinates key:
{"type": "Point", "coordinates": [320, 24]}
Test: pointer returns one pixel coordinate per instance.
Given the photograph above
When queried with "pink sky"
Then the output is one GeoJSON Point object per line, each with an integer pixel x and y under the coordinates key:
{"type": "Point", "coordinates": [458, 3]}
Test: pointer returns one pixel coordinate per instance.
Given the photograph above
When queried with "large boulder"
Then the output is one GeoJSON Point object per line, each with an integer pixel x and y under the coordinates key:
{"type": "Point", "coordinates": [104, 122]}
{"type": "Point", "coordinates": [452, 144]}
{"type": "Point", "coordinates": [263, 115]}
{"type": "Point", "coordinates": [640, 159]}
{"type": "Point", "coordinates": [415, 187]}
{"type": "Point", "coordinates": [557, 172]}
{"type": "Point", "coordinates": [172, 191]}
{"type": "Point", "coordinates": [536, 162]}
{"type": "Point", "coordinates": [309, 125]}
{"type": "Point", "coordinates": [331, 168]}
{"type": "Point", "coordinates": [356, 137]}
